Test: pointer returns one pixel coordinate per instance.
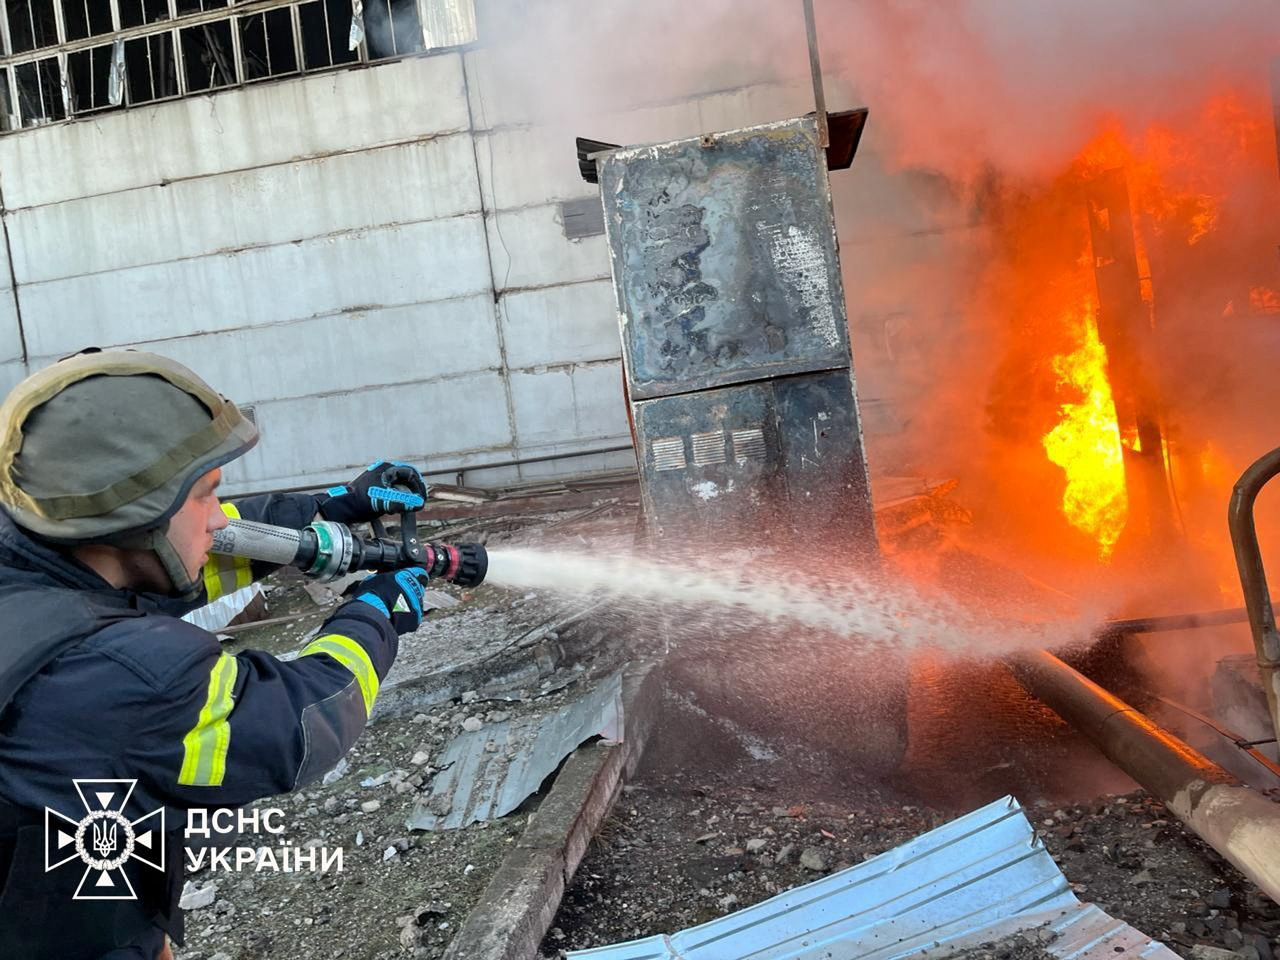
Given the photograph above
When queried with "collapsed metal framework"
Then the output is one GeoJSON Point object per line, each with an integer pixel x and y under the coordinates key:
{"type": "Point", "coordinates": [66, 58]}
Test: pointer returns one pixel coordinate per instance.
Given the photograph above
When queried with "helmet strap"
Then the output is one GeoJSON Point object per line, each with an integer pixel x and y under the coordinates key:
{"type": "Point", "coordinates": [183, 586]}
{"type": "Point", "coordinates": [158, 542]}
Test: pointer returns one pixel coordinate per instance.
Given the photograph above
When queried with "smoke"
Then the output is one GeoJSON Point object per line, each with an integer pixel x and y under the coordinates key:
{"type": "Point", "coordinates": [964, 232]}
{"type": "Point", "coordinates": [1020, 86]}
{"type": "Point", "coordinates": [961, 223]}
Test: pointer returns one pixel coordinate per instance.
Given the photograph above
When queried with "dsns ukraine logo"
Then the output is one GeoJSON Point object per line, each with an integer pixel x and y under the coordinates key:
{"type": "Point", "coordinates": [104, 839]}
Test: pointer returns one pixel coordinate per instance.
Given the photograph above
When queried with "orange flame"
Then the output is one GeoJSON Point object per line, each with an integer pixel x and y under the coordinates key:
{"type": "Point", "coordinates": [1086, 441]}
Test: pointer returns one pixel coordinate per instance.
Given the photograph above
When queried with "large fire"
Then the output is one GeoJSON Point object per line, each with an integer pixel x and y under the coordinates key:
{"type": "Point", "coordinates": [1086, 441]}
{"type": "Point", "coordinates": [1184, 180]}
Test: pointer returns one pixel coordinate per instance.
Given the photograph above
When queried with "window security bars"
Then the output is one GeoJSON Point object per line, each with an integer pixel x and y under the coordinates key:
{"type": "Point", "coordinates": [60, 59]}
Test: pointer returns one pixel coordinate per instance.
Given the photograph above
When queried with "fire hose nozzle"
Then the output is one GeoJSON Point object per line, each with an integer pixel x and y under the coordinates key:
{"type": "Point", "coordinates": [326, 550]}
{"type": "Point", "coordinates": [462, 563]}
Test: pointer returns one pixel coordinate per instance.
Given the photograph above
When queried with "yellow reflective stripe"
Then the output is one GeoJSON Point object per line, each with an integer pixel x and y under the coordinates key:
{"type": "Point", "coordinates": [352, 656]}
{"type": "Point", "coordinates": [204, 748]}
{"type": "Point", "coordinates": [223, 574]}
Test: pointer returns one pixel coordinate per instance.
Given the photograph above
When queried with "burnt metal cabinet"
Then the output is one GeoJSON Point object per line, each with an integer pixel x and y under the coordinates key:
{"type": "Point", "coordinates": [734, 336]}
{"type": "Point", "coordinates": [740, 382]}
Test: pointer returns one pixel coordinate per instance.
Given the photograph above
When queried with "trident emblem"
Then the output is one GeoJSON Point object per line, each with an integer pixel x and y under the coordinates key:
{"type": "Point", "coordinates": [104, 837]}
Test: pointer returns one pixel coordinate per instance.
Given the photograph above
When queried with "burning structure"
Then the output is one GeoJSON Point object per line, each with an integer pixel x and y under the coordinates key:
{"type": "Point", "coordinates": [1086, 260]}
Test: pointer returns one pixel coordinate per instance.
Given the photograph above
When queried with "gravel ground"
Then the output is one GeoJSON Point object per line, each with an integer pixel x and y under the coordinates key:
{"type": "Point", "coordinates": [682, 849]}
{"type": "Point", "coordinates": [400, 893]}
{"type": "Point", "coordinates": [707, 828]}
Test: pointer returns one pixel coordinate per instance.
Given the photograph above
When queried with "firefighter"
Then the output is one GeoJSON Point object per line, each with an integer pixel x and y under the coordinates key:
{"type": "Point", "coordinates": [109, 471]}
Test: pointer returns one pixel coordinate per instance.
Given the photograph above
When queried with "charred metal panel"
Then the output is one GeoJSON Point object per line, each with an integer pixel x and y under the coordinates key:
{"type": "Point", "coordinates": [779, 454]}
{"type": "Point", "coordinates": [735, 338]}
{"type": "Point", "coordinates": [724, 259]}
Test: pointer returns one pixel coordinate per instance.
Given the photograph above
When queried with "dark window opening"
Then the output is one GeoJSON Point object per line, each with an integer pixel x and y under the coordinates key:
{"type": "Point", "coordinates": [31, 25]}
{"type": "Point", "coordinates": [86, 18]}
{"type": "Point", "coordinates": [208, 57]}
{"type": "Point", "coordinates": [392, 28]}
{"type": "Point", "coordinates": [40, 92]}
{"type": "Point", "coordinates": [149, 68]}
{"type": "Point", "coordinates": [199, 6]}
{"type": "Point", "coordinates": [89, 74]}
{"type": "Point", "coordinates": [266, 42]}
{"type": "Point", "coordinates": [134, 13]}
{"type": "Point", "coordinates": [8, 119]}
{"type": "Point", "coordinates": [326, 34]}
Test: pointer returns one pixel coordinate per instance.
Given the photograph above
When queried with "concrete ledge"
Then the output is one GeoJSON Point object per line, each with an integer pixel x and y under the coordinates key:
{"type": "Point", "coordinates": [517, 907]}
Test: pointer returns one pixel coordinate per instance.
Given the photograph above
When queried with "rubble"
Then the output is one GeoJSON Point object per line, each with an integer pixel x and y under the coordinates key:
{"type": "Point", "coordinates": [812, 859]}
{"type": "Point", "coordinates": [762, 832]}
{"type": "Point", "coordinates": [639, 880]}
{"type": "Point", "coordinates": [196, 897]}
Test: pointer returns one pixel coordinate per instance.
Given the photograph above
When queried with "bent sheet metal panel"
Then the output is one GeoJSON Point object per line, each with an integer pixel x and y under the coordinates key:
{"type": "Point", "coordinates": [477, 784]}
{"type": "Point", "coordinates": [944, 889]}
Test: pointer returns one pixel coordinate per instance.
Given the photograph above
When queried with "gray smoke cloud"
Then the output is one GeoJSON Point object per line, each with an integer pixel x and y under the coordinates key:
{"type": "Point", "coordinates": [977, 108]}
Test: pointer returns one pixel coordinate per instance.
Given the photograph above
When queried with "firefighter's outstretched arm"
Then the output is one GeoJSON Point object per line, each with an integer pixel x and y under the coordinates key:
{"type": "Point", "coordinates": [385, 486]}
{"type": "Point", "coordinates": [233, 729]}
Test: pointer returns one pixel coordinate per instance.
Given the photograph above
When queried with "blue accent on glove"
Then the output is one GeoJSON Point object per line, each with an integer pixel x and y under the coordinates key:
{"type": "Point", "coordinates": [375, 601]}
{"type": "Point", "coordinates": [397, 595]}
{"type": "Point", "coordinates": [387, 486]}
{"type": "Point", "coordinates": [386, 500]}
{"type": "Point", "coordinates": [412, 587]}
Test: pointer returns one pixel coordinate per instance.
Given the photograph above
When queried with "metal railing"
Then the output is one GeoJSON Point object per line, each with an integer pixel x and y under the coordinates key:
{"type": "Point", "coordinates": [1253, 578]}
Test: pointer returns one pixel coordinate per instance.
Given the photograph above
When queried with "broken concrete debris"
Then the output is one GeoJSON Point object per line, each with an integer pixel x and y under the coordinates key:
{"type": "Point", "coordinates": [196, 897]}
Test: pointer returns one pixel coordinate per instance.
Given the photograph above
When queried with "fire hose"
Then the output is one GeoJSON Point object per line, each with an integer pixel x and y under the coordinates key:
{"type": "Point", "coordinates": [325, 550]}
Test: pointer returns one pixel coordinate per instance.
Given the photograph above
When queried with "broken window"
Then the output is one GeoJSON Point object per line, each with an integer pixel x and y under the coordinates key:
{"type": "Point", "coordinates": [89, 77]}
{"type": "Point", "coordinates": [8, 116]}
{"type": "Point", "coordinates": [40, 91]}
{"type": "Point", "coordinates": [266, 43]}
{"type": "Point", "coordinates": [134, 13]}
{"type": "Point", "coordinates": [32, 25]}
{"type": "Point", "coordinates": [199, 6]}
{"type": "Point", "coordinates": [86, 18]}
{"type": "Point", "coordinates": [392, 28]}
{"type": "Point", "coordinates": [208, 57]}
{"type": "Point", "coordinates": [68, 57]}
{"type": "Point", "coordinates": [150, 71]}
{"type": "Point", "coordinates": [326, 31]}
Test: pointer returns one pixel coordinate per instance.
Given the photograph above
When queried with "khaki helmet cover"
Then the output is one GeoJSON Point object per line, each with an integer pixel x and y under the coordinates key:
{"type": "Point", "coordinates": [104, 447]}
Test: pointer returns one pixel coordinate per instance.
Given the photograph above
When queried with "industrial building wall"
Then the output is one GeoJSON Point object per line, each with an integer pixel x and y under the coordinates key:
{"type": "Point", "coordinates": [374, 260]}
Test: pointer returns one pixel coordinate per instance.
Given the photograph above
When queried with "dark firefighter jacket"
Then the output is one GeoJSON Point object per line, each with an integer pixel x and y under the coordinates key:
{"type": "Point", "coordinates": [105, 684]}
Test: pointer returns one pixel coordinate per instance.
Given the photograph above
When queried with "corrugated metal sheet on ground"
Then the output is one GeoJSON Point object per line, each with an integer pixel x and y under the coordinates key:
{"type": "Point", "coordinates": [480, 784]}
{"type": "Point", "coordinates": [984, 876]}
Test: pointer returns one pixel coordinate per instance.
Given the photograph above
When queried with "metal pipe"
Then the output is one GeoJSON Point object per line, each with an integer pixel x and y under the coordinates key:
{"type": "Point", "coordinates": [1238, 822]}
{"type": "Point", "coordinates": [815, 69]}
{"type": "Point", "coordinates": [1253, 578]}
{"type": "Point", "coordinates": [1177, 621]}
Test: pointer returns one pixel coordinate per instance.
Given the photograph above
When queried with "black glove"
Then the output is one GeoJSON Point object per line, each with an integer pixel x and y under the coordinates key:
{"type": "Point", "coordinates": [397, 595]}
{"type": "Point", "coordinates": [371, 494]}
